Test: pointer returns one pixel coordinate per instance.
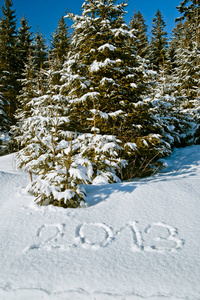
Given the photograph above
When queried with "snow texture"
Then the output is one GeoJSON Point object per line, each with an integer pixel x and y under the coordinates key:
{"type": "Point", "coordinates": [135, 240]}
{"type": "Point", "coordinates": [107, 46]}
{"type": "Point", "coordinates": [96, 66]}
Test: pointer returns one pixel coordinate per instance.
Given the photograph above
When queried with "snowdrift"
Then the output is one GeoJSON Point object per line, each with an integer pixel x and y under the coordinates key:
{"type": "Point", "coordinates": [135, 240]}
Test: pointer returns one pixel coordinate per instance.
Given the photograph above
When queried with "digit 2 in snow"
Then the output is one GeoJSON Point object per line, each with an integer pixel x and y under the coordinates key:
{"type": "Point", "coordinates": [156, 237]}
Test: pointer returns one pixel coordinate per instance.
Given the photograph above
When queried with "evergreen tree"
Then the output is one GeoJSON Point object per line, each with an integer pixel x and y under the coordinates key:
{"type": "Point", "coordinates": [177, 34]}
{"type": "Point", "coordinates": [140, 31]}
{"type": "Point", "coordinates": [40, 51]}
{"type": "Point", "coordinates": [24, 43]}
{"type": "Point", "coordinates": [187, 69]}
{"type": "Point", "coordinates": [173, 84]}
{"type": "Point", "coordinates": [59, 49]}
{"type": "Point", "coordinates": [29, 90]}
{"type": "Point", "coordinates": [60, 42]}
{"type": "Point", "coordinates": [8, 59]}
{"type": "Point", "coordinates": [107, 74]}
{"type": "Point", "coordinates": [40, 59]}
{"type": "Point", "coordinates": [47, 147]}
{"type": "Point", "coordinates": [190, 10]}
{"type": "Point", "coordinates": [106, 82]}
{"type": "Point", "coordinates": [176, 125]}
{"type": "Point", "coordinates": [100, 124]}
{"type": "Point", "coordinates": [158, 44]}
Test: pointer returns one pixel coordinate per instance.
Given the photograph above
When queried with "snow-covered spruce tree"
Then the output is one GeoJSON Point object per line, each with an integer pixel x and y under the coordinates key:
{"type": "Point", "coordinates": [177, 34]}
{"type": "Point", "coordinates": [187, 60]}
{"type": "Point", "coordinates": [105, 81]}
{"type": "Point", "coordinates": [24, 47]}
{"type": "Point", "coordinates": [191, 10]}
{"type": "Point", "coordinates": [8, 58]}
{"type": "Point", "coordinates": [47, 147]}
{"type": "Point", "coordinates": [176, 123]}
{"type": "Point", "coordinates": [158, 43]}
{"type": "Point", "coordinates": [187, 71]}
{"type": "Point", "coordinates": [30, 89]}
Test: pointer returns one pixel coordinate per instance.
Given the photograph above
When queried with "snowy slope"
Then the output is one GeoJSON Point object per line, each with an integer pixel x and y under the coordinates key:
{"type": "Point", "coordinates": [135, 240]}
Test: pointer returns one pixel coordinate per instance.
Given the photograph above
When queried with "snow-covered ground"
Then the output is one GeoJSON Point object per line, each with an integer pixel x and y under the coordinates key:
{"type": "Point", "coordinates": [135, 240]}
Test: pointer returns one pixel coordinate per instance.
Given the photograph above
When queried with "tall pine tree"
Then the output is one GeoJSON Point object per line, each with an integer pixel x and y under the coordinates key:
{"type": "Point", "coordinates": [24, 43]}
{"type": "Point", "coordinates": [40, 55]}
{"type": "Point", "coordinates": [60, 42]}
{"type": "Point", "coordinates": [40, 51]}
{"type": "Point", "coordinates": [190, 9]}
{"type": "Point", "coordinates": [9, 59]}
{"type": "Point", "coordinates": [60, 45]}
{"type": "Point", "coordinates": [106, 82]}
{"type": "Point", "coordinates": [187, 71]}
{"type": "Point", "coordinates": [30, 89]}
{"type": "Point", "coordinates": [158, 43]}
{"type": "Point", "coordinates": [188, 51]}
{"type": "Point", "coordinates": [138, 24]}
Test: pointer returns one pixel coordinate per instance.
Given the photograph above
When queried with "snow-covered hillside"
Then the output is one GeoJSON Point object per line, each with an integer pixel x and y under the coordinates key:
{"type": "Point", "coordinates": [135, 240]}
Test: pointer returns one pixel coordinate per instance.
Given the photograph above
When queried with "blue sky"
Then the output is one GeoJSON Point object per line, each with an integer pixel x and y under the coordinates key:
{"type": "Point", "coordinates": [46, 13]}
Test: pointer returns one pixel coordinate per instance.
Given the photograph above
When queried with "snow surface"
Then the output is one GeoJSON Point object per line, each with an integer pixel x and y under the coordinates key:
{"type": "Point", "coordinates": [135, 240]}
